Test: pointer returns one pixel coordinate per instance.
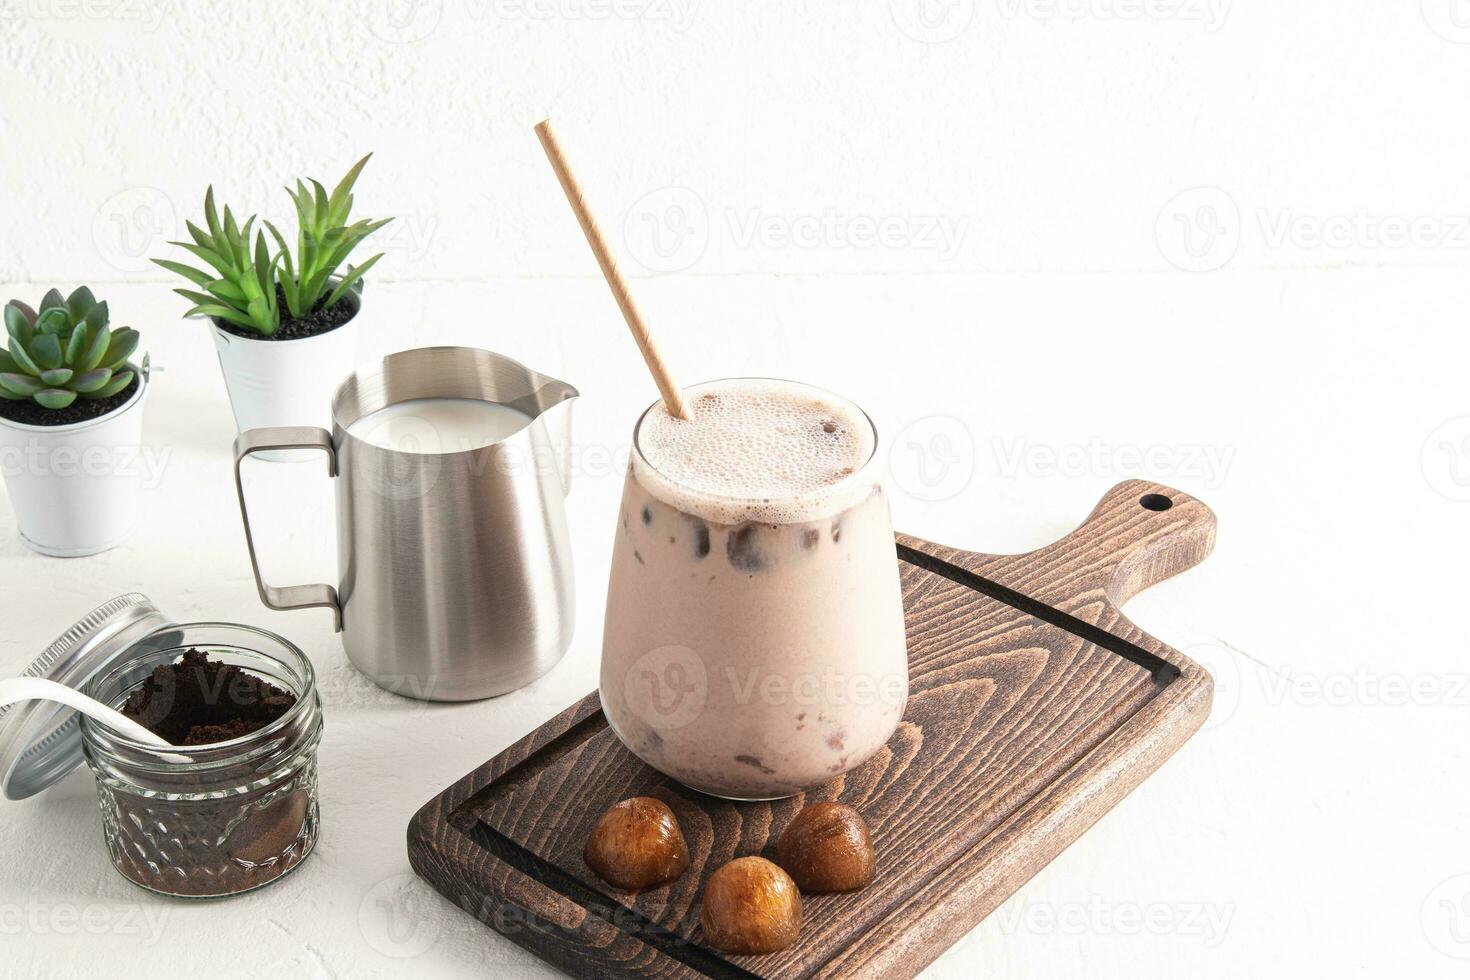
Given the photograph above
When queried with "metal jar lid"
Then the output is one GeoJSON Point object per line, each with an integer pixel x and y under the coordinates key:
{"type": "Point", "coordinates": [41, 741]}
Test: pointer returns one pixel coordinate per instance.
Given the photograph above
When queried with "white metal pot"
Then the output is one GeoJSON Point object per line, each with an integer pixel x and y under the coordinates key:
{"type": "Point", "coordinates": [75, 487]}
{"type": "Point", "coordinates": [287, 382]}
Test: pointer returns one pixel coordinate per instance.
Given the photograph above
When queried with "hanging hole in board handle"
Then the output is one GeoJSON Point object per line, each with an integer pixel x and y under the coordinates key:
{"type": "Point", "coordinates": [1155, 502]}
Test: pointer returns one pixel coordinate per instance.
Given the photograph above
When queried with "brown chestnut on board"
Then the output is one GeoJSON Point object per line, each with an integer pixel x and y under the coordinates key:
{"type": "Point", "coordinates": [827, 849]}
{"type": "Point", "coordinates": [637, 844]}
{"type": "Point", "coordinates": [751, 906]}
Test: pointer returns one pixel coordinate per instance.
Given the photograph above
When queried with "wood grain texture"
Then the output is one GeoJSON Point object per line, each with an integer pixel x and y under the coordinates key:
{"type": "Point", "coordinates": [1034, 707]}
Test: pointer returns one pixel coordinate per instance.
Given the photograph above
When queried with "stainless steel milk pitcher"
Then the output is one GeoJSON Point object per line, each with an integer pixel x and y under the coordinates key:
{"type": "Point", "coordinates": [455, 574]}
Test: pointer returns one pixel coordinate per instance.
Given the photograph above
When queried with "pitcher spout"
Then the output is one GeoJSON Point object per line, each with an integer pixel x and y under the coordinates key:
{"type": "Point", "coordinates": [553, 407]}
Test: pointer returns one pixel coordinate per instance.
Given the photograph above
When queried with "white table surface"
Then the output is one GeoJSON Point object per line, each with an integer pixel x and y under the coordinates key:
{"type": "Point", "coordinates": [1313, 394]}
{"type": "Point", "coordinates": [1309, 823]}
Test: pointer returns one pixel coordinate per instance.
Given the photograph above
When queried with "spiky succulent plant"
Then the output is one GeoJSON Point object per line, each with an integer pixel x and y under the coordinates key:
{"type": "Point", "coordinates": [240, 285]}
{"type": "Point", "coordinates": [324, 239]}
{"type": "Point", "coordinates": [64, 352]}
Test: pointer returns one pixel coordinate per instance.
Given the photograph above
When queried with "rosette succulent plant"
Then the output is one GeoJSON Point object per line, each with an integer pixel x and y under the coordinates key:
{"type": "Point", "coordinates": [64, 352]}
{"type": "Point", "coordinates": [240, 285]}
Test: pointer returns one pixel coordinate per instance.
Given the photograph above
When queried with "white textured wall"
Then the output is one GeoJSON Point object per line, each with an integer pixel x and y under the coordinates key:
{"type": "Point", "coordinates": [1027, 135]}
{"type": "Point", "coordinates": [1049, 244]}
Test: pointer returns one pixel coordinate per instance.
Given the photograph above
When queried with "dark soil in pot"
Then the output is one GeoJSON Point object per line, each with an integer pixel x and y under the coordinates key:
{"type": "Point", "coordinates": [315, 323]}
{"type": "Point", "coordinates": [82, 410]}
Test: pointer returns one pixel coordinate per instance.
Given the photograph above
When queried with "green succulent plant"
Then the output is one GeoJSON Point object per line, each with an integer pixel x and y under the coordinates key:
{"type": "Point", "coordinates": [64, 352]}
{"type": "Point", "coordinates": [324, 239]}
{"type": "Point", "coordinates": [239, 286]}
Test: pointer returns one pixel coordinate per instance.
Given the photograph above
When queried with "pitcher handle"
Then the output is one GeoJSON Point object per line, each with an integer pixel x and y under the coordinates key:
{"type": "Point", "coordinates": [286, 437]}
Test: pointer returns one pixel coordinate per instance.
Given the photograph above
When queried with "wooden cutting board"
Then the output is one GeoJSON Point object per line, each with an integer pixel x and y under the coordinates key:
{"type": "Point", "coordinates": [1034, 707]}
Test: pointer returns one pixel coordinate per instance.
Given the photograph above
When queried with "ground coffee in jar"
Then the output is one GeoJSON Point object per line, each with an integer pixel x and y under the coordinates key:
{"type": "Point", "coordinates": [230, 804]}
{"type": "Point", "coordinates": [199, 701]}
{"type": "Point", "coordinates": [234, 806]}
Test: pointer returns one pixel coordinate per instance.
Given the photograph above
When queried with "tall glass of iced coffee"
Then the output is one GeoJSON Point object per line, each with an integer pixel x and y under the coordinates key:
{"type": "Point", "coordinates": [754, 642]}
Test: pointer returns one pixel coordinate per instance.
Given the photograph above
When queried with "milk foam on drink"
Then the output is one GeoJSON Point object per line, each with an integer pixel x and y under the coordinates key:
{"type": "Point", "coordinates": [754, 638]}
{"type": "Point", "coordinates": [762, 450]}
{"type": "Point", "coordinates": [439, 425]}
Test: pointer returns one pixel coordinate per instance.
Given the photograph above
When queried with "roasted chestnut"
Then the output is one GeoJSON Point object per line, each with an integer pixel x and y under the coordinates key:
{"type": "Point", "coordinates": [751, 906]}
{"type": "Point", "coordinates": [637, 844]}
{"type": "Point", "coordinates": [827, 849]}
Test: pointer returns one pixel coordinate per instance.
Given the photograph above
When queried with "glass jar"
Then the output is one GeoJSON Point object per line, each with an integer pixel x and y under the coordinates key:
{"type": "Point", "coordinates": [753, 648]}
{"type": "Point", "coordinates": [209, 820]}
